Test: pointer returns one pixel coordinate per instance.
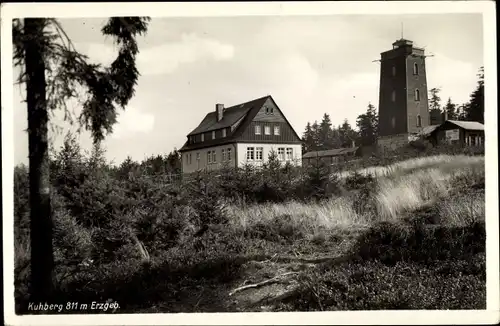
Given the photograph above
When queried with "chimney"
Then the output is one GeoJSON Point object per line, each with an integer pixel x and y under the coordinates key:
{"type": "Point", "coordinates": [445, 114]}
{"type": "Point", "coordinates": [219, 110]}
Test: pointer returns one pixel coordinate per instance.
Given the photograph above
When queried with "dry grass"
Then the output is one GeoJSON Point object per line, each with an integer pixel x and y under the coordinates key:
{"type": "Point", "coordinates": [442, 162]}
{"type": "Point", "coordinates": [402, 187]}
{"type": "Point", "coordinates": [463, 210]}
{"type": "Point", "coordinates": [329, 214]}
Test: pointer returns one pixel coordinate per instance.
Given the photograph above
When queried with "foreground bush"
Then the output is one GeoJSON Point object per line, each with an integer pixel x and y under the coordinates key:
{"type": "Point", "coordinates": [138, 237]}
{"type": "Point", "coordinates": [372, 285]}
{"type": "Point", "coordinates": [394, 242]}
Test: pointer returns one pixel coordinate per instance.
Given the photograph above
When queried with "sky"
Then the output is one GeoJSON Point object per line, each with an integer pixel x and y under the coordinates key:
{"type": "Point", "coordinates": [309, 65]}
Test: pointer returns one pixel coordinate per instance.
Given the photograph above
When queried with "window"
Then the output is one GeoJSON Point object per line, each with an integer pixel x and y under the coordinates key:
{"type": "Point", "coordinates": [223, 133]}
{"type": "Point", "coordinates": [277, 130]}
{"type": "Point", "coordinates": [419, 121]}
{"type": "Point", "coordinates": [257, 130]}
{"type": "Point", "coordinates": [417, 95]}
{"type": "Point", "coordinates": [202, 137]}
{"type": "Point", "coordinates": [190, 158]}
{"type": "Point", "coordinates": [213, 134]}
{"type": "Point", "coordinates": [209, 157]}
{"type": "Point", "coordinates": [259, 153]}
{"type": "Point", "coordinates": [394, 70]}
{"type": "Point", "coordinates": [223, 155]}
{"type": "Point", "coordinates": [229, 154]}
{"type": "Point", "coordinates": [197, 156]}
{"type": "Point", "coordinates": [289, 154]}
{"type": "Point", "coordinates": [214, 157]}
{"type": "Point", "coordinates": [393, 96]}
{"type": "Point", "coordinates": [281, 154]}
{"type": "Point", "coordinates": [415, 69]}
{"type": "Point", "coordinates": [267, 130]}
{"type": "Point", "coordinates": [250, 154]}
{"type": "Point", "coordinates": [269, 110]}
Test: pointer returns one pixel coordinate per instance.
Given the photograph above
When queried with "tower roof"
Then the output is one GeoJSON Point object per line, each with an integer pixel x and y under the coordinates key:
{"type": "Point", "coordinates": [402, 42]}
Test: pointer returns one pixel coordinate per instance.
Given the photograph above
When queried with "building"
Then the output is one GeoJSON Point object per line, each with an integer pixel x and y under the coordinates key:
{"type": "Point", "coordinates": [466, 133]}
{"type": "Point", "coordinates": [246, 133]}
{"type": "Point", "coordinates": [403, 104]}
{"type": "Point", "coordinates": [331, 156]}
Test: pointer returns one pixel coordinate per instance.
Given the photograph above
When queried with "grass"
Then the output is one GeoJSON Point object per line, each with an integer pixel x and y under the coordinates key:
{"type": "Point", "coordinates": [401, 187]}
{"type": "Point", "coordinates": [412, 238]}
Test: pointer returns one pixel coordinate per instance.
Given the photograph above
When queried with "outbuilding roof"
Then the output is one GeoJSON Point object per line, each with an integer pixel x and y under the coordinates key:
{"type": "Point", "coordinates": [331, 152]}
{"type": "Point", "coordinates": [467, 125]}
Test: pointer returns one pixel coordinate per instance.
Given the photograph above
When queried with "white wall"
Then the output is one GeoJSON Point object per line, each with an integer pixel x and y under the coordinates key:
{"type": "Point", "coordinates": [267, 148]}
{"type": "Point", "coordinates": [203, 162]}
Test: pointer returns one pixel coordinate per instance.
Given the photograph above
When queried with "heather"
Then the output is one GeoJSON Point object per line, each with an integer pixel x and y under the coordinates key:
{"type": "Point", "coordinates": [403, 233]}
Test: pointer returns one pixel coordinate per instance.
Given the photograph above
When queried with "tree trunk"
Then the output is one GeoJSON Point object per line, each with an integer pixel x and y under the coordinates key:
{"type": "Point", "coordinates": [42, 259]}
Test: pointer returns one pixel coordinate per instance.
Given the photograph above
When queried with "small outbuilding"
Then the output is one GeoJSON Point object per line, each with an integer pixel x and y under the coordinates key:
{"type": "Point", "coordinates": [332, 156]}
{"type": "Point", "coordinates": [466, 133]}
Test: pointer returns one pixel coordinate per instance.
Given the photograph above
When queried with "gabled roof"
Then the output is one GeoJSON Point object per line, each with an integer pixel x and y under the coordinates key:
{"type": "Point", "coordinates": [467, 125]}
{"type": "Point", "coordinates": [331, 152]}
{"type": "Point", "coordinates": [426, 131]}
{"type": "Point", "coordinates": [230, 116]}
{"type": "Point", "coordinates": [243, 112]}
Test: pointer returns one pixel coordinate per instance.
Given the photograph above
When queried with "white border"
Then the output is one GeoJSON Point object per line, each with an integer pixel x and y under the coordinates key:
{"type": "Point", "coordinates": [81, 10]}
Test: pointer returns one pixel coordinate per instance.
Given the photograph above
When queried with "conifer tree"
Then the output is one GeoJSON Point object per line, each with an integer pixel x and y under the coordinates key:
{"type": "Point", "coordinates": [53, 71]}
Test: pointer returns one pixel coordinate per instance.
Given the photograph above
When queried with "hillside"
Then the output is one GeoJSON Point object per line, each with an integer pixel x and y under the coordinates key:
{"type": "Point", "coordinates": [409, 235]}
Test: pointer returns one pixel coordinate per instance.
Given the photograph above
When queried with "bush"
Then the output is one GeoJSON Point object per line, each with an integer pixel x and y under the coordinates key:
{"type": "Point", "coordinates": [394, 242]}
{"type": "Point", "coordinates": [363, 187]}
{"type": "Point", "coordinates": [374, 286]}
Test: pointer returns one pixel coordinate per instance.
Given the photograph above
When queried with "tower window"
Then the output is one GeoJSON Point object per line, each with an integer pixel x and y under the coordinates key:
{"type": "Point", "coordinates": [415, 69]}
{"type": "Point", "coordinates": [393, 96]}
{"type": "Point", "coordinates": [417, 95]}
{"type": "Point", "coordinates": [394, 70]}
{"type": "Point", "coordinates": [419, 121]}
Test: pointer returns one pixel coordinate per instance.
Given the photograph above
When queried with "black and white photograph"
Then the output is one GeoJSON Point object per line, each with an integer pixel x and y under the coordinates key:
{"type": "Point", "coordinates": [284, 162]}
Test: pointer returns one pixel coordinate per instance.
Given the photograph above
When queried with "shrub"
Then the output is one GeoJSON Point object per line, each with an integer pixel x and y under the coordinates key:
{"type": "Point", "coordinates": [393, 242]}
{"type": "Point", "coordinates": [374, 286]}
{"type": "Point", "coordinates": [363, 187]}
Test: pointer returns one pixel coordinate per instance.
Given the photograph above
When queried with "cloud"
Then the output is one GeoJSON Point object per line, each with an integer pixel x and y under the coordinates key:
{"type": "Point", "coordinates": [166, 58]}
{"type": "Point", "coordinates": [132, 121]}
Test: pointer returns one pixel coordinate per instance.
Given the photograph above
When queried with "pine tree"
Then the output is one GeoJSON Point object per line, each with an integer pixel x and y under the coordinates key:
{"type": "Point", "coordinates": [315, 134]}
{"type": "Point", "coordinates": [367, 125]}
{"type": "Point", "coordinates": [435, 106]}
{"type": "Point", "coordinates": [335, 141]}
{"type": "Point", "coordinates": [53, 70]}
{"type": "Point", "coordinates": [308, 143]}
{"type": "Point", "coordinates": [346, 134]}
{"type": "Point", "coordinates": [474, 110]}
{"type": "Point", "coordinates": [174, 163]}
{"type": "Point", "coordinates": [451, 110]}
{"type": "Point", "coordinates": [325, 135]}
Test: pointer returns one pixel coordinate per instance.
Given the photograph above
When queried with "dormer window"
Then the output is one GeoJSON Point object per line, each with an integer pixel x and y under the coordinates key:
{"type": "Point", "coordinates": [267, 130]}
{"type": "Point", "coordinates": [257, 130]}
{"type": "Point", "coordinates": [277, 130]}
{"type": "Point", "coordinates": [415, 69]}
{"type": "Point", "coordinates": [202, 137]}
{"type": "Point", "coordinates": [213, 134]}
{"type": "Point", "coordinates": [223, 133]}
